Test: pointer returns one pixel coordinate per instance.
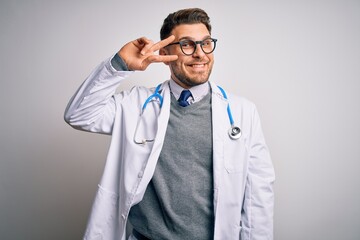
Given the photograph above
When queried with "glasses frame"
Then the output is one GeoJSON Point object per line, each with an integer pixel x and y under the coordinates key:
{"type": "Point", "coordinates": [195, 44]}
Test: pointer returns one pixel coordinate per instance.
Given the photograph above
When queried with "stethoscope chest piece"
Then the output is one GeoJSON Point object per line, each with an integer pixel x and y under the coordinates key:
{"type": "Point", "coordinates": [234, 132]}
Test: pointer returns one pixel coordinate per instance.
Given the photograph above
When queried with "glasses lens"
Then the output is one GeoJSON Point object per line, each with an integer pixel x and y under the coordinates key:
{"type": "Point", "coordinates": [188, 47]}
{"type": "Point", "coordinates": [208, 45]}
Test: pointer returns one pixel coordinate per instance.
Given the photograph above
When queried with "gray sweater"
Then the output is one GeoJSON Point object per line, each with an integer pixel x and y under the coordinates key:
{"type": "Point", "coordinates": [178, 202]}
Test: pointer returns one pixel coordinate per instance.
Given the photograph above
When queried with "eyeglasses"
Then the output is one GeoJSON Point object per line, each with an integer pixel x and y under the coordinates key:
{"type": "Point", "coordinates": [188, 47]}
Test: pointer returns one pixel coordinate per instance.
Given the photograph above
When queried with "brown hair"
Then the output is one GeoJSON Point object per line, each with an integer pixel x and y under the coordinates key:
{"type": "Point", "coordinates": [184, 16]}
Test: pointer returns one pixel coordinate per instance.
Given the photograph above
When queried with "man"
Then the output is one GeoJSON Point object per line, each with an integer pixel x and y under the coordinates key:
{"type": "Point", "coordinates": [172, 170]}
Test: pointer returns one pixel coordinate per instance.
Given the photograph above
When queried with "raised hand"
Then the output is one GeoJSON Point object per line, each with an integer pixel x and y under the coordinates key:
{"type": "Point", "coordinates": [140, 53]}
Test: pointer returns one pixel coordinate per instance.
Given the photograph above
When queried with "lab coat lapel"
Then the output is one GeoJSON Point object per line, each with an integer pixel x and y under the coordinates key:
{"type": "Point", "coordinates": [220, 124]}
{"type": "Point", "coordinates": [162, 122]}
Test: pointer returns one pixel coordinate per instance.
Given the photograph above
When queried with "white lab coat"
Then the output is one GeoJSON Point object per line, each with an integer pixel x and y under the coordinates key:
{"type": "Point", "coordinates": [242, 169]}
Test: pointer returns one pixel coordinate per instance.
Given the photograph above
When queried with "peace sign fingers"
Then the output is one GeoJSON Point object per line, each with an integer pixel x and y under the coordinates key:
{"type": "Point", "coordinates": [157, 46]}
{"type": "Point", "coordinates": [140, 53]}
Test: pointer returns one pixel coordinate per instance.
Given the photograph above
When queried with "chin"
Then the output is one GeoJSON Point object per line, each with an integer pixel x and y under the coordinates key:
{"type": "Point", "coordinates": [194, 82]}
{"type": "Point", "coordinates": [188, 79]}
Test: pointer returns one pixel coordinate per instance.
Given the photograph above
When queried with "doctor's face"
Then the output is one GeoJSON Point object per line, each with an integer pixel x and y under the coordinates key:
{"type": "Point", "coordinates": [194, 69]}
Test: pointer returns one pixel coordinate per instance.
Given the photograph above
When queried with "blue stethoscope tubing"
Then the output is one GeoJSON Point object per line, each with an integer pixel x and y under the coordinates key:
{"type": "Point", "coordinates": [234, 131]}
{"type": "Point", "coordinates": [156, 94]}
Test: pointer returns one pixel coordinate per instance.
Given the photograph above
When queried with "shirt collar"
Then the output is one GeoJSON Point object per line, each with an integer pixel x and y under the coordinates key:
{"type": "Point", "coordinates": [197, 92]}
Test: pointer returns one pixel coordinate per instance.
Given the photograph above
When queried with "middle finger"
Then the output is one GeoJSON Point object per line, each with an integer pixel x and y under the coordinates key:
{"type": "Point", "coordinates": [162, 43]}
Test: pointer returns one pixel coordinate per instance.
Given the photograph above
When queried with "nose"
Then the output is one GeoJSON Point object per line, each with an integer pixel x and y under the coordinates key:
{"type": "Point", "coordinates": [199, 53]}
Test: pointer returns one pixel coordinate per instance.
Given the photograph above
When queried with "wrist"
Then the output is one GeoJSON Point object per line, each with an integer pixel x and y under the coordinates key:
{"type": "Point", "coordinates": [118, 63]}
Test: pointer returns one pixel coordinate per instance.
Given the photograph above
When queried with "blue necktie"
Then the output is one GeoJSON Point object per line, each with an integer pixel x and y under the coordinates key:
{"type": "Point", "coordinates": [185, 94]}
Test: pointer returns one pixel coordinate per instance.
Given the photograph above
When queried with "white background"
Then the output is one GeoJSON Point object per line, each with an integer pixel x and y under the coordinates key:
{"type": "Point", "coordinates": [299, 61]}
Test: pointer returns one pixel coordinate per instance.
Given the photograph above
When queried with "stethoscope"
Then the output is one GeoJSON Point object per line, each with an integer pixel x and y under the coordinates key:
{"type": "Point", "coordinates": [234, 131]}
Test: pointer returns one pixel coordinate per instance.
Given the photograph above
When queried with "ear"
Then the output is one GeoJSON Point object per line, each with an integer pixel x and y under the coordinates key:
{"type": "Point", "coordinates": [163, 52]}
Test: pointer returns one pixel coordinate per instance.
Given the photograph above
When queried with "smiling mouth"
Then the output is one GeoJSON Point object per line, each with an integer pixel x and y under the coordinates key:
{"type": "Point", "coordinates": [197, 65]}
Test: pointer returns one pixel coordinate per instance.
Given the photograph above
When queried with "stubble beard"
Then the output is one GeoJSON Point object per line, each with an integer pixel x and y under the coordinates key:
{"type": "Point", "coordinates": [190, 81]}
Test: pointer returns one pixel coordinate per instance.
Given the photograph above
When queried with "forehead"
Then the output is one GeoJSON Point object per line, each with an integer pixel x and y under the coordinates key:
{"type": "Point", "coordinates": [196, 31]}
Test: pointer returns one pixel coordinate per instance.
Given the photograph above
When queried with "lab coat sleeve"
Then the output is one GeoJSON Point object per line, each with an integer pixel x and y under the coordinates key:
{"type": "Point", "coordinates": [258, 206]}
{"type": "Point", "coordinates": [93, 106]}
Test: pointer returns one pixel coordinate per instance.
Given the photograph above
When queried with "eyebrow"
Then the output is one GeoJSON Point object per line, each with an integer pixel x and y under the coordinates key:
{"type": "Point", "coordinates": [191, 38]}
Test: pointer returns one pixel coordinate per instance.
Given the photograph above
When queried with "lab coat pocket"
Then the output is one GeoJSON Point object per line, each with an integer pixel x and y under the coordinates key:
{"type": "Point", "coordinates": [237, 229]}
{"type": "Point", "coordinates": [103, 216]}
{"type": "Point", "coordinates": [236, 155]}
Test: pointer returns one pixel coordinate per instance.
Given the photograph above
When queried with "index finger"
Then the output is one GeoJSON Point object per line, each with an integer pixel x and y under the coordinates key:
{"type": "Point", "coordinates": [162, 43]}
